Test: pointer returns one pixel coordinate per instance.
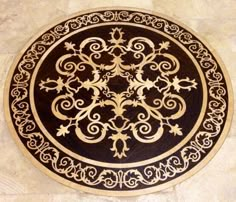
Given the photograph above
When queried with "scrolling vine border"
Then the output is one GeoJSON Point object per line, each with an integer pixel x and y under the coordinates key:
{"type": "Point", "coordinates": [123, 178]}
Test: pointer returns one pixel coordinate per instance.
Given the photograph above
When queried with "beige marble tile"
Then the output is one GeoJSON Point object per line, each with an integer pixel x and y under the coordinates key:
{"type": "Point", "coordinates": [75, 5]}
{"type": "Point", "coordinates": [56, 198]}
{"type": "Point", "coordinates": [21, 19]}
{"type": "Point", "coordinates": [5, 63]}
{"type": "Point", "coordinates": [41, 13]}
{"type": "Point", "coordinates": [232, 41]}
{"type": "Point", "coordinates": [13, 22]}
{"type": "Point", "coordinates": [147, 4]}
{"type": "Point", "coordinates": [216, 182]}
{"type": "Point", "coordinates": [196, 9]}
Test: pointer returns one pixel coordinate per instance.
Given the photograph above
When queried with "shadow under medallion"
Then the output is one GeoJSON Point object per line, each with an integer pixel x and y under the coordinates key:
{"type": "Point", "coordinates": [60, 97]}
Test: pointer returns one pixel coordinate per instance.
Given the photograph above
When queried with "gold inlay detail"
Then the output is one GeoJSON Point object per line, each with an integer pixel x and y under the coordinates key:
{"type": "Point", "coordinates": [147, 53]}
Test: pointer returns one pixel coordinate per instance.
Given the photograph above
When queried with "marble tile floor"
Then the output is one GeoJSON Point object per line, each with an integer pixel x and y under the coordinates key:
{"type": "Point", "coordinates": [215, 21]}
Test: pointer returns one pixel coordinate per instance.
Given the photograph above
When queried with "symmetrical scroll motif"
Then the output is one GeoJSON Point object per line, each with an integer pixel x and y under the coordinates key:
{"type": "Point", "coordinates": [107, 178]}
{"type": "Point", "coordinates": [148, 56]}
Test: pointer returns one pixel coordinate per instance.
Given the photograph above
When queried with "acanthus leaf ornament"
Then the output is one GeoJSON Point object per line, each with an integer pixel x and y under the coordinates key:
{"type": "Point", "coordinates": [118, 47]}
{"type": "Point", "coordinates": [118, 175]}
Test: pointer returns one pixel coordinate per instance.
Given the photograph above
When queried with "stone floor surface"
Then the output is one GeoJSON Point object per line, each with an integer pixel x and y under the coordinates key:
{"type": "Point", "coordinates": [214, 20]}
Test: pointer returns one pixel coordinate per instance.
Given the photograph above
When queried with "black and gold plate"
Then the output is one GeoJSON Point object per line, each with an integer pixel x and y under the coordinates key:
{"type": "Point", "coordinates": [118, 101]}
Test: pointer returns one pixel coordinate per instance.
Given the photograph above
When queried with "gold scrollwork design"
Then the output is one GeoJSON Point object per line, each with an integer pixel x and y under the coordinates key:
{"type": "Point", "coordinates": [147, 54]}
{"type": "Point", "coordinates": [131, 178]}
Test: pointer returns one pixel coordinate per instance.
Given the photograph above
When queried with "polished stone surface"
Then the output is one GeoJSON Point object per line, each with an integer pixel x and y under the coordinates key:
{"type": "Point", "coordinates": [21, 19]}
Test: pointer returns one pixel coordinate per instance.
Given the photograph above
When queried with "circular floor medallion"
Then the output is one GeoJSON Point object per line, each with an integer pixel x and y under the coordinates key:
{"type": "Point", "coordinates": [118, 102]}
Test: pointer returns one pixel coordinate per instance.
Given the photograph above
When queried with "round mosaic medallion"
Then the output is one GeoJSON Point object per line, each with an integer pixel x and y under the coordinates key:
{"type": "Point", "coordinates": [118, 102]}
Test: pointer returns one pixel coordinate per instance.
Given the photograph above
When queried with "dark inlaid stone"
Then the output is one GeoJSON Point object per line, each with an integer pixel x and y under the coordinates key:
{"type": "Point", "coordinates": [118, 101]}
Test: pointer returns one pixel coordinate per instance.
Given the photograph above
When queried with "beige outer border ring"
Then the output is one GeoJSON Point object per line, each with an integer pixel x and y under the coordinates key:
{"type": "Point", "coordinates": [173, 182]}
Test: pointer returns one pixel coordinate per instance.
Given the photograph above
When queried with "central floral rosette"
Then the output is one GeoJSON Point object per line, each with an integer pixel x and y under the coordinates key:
{"type": "Point", "coordinates": [118, 84]}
